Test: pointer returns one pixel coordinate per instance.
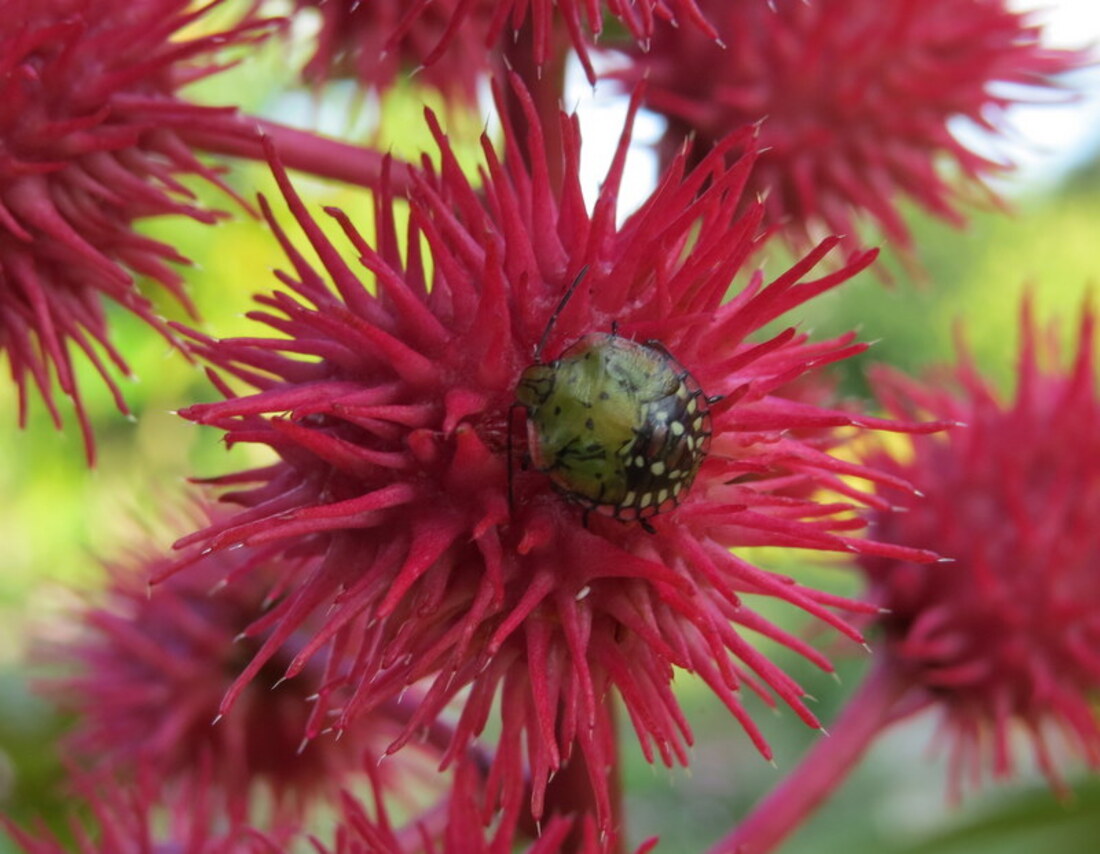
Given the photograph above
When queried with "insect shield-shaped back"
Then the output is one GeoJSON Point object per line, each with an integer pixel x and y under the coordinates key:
{"type": "Point", "coordinates": [619, 427]}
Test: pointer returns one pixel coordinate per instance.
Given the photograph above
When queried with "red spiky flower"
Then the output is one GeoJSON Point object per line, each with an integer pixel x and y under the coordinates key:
{"type": "Point", "coordinates": [392, 414]}
{"type": "Point", "coordinates": [461, 35]}
{"type": "Point", "coordinates": [89, 135]}
{"type": "Point", "coordinates": [141, 817]}
{"type": "Point", "coordinates": [377, 41]}
{"type": "Point", "coordinates": [458, 830]}
{"type": "Point", "coordinates": [857, 101]}
{"type": "Point", "coordinates": [147, 672]}
{"type": "Point", "coordinates": [1004, 639]}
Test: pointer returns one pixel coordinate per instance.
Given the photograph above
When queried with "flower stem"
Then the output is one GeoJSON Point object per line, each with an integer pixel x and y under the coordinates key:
{"type": "Point", "coordinates": [242, 136]}
{"type": "Point", "coordinates": [544, 78]}
{"type": "Point", "coordinates": [570, 793]}
{"type": "Point", "coordinates": [868, 712]}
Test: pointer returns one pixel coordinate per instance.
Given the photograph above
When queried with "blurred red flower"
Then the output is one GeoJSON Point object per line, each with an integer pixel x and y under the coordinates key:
{"type": "Point", "coordinates": [138, 817]}
{"type": "Point", "coordinates": [857, 102]}
{"type": "Point", "coordinates": [460, 36]}
{"type": "Point", "coordinates": [379, 40]}
{"type": "Point", "coordinates": [1003, 638]}
{"type": "Point", "coordinates": [90, 142]}
{"type": "Point", "coordinates": [147, 672]}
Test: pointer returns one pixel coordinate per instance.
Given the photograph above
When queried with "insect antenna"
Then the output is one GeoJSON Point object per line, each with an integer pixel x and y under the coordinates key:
{"type": "Point", "coordinates": [562, 303]}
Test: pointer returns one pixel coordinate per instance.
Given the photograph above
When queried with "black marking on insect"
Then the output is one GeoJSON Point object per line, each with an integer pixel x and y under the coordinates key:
{"type": "Point", "coordinates": [619, 427]}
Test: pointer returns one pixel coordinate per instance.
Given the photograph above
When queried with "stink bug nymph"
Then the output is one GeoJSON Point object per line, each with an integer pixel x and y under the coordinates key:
{"type": "Point", "coordinates": [619, 427]}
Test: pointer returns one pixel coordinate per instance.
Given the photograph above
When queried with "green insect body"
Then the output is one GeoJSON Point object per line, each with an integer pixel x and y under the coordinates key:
{"type": "Point", "coordinates": [619, 427]}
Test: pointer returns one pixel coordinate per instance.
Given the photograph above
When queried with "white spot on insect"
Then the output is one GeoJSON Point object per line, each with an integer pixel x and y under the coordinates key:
{"type": "Point", "coordinates": [647, 499]}
{"type": "Point", "coordinates": [662, 496]}
{"type": "Point", "coordinates": [697, 424]}
{"type": "Point", "coordinates": [692, 406]}
{"type": "Point", "coordinates": [639, 461]}
{"type": "Point", "coordinates": [677, 428]}
{"type": "Point", "coordinates": [657, 468]}
{"type": "Point", "coordinates": [628, 499]}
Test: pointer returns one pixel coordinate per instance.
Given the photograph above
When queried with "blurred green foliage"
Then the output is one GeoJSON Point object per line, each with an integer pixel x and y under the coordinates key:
{"type": "Point", "coordinates": [58, 519]}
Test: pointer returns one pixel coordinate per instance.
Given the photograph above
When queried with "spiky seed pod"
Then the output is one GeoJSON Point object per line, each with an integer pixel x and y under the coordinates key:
{"type": "Point", "coordinates": [381, 41]}
{"type": "Point", "coordinates": [857, 102]}
{"type": "Point", "coordinates": [1001, 640]}
{"type": "Point", "coordinates": [90, 134]}
{"type": "Point", "coordinates": [391, 413]}
{"type": "Point", "coordinates": [460, 37]}
{"type": "Point", "coordinates": [152, 666]}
